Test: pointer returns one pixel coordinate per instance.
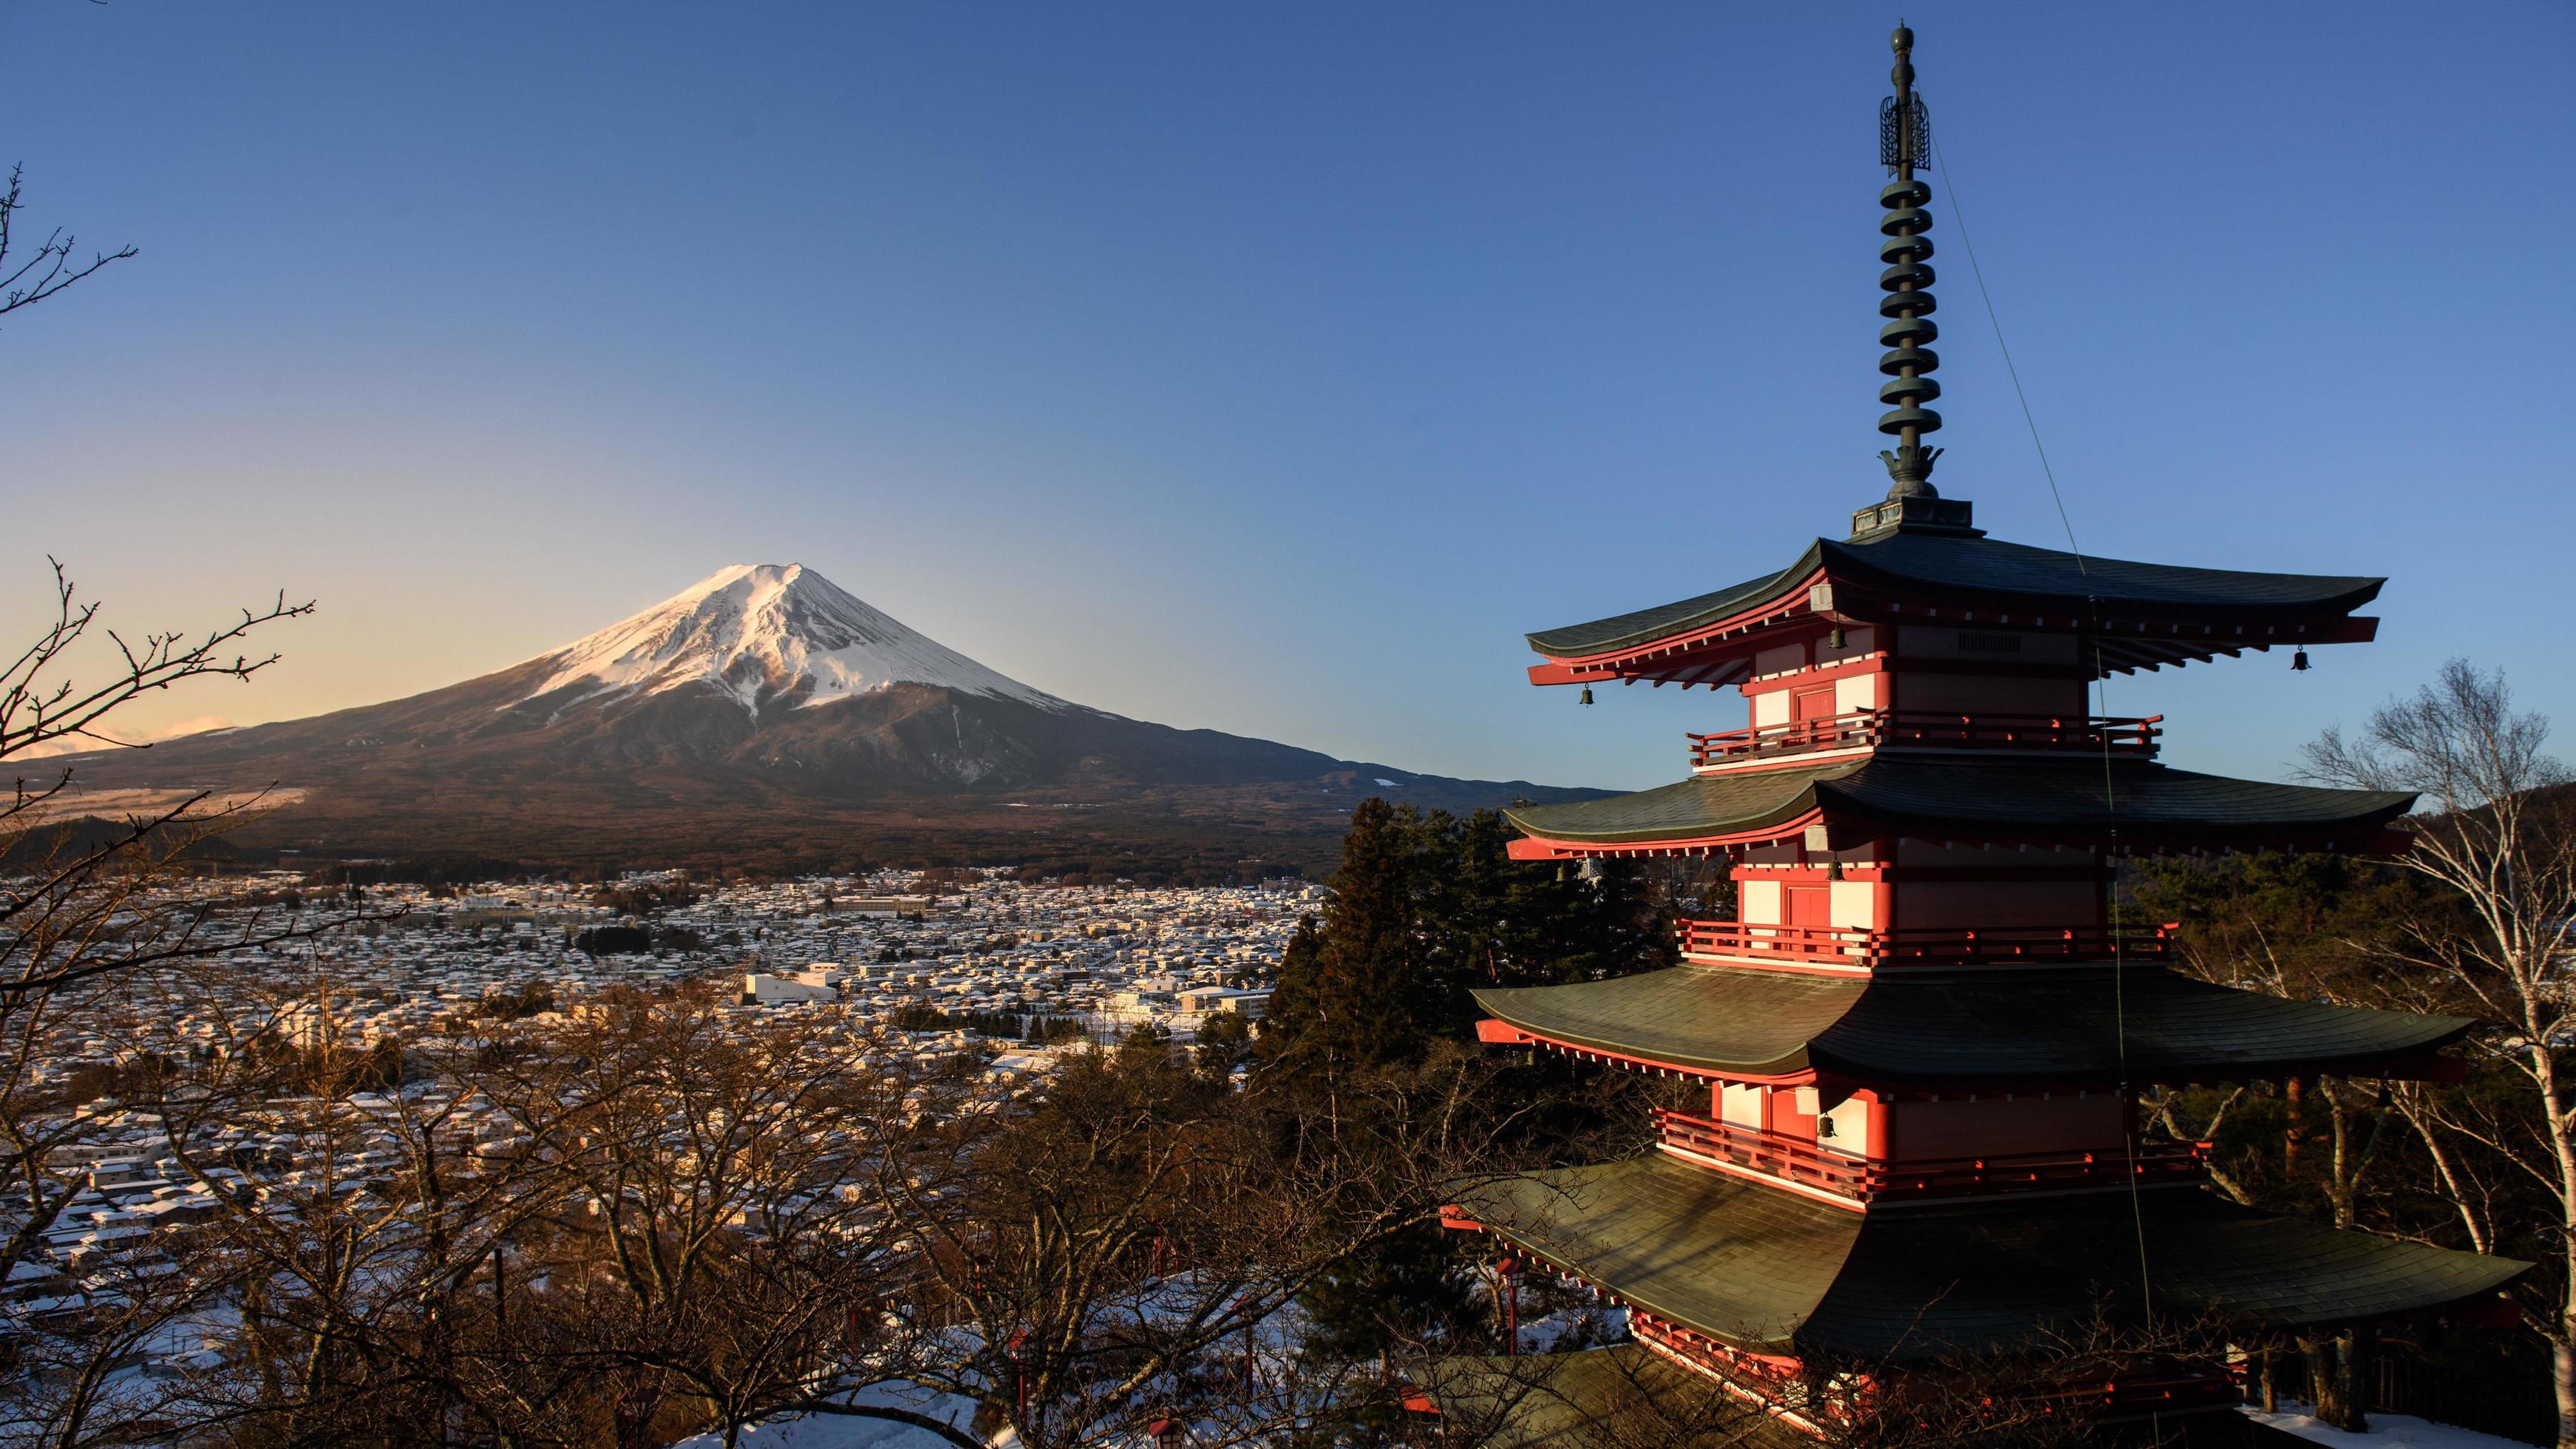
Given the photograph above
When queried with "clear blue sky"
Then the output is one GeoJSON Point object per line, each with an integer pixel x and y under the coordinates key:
{"type": "Point", "coordinates": [1273, 367]}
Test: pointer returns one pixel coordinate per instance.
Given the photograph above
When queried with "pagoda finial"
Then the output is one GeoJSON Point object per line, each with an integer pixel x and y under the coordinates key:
{"type": "Point", "coordinates": [1904, 142]}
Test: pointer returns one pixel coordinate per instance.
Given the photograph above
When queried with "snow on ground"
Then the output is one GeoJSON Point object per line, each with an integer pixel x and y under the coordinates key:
{"type": "Point", "coordinates": [848, 1431]}
{"type": "Point", "coordinates": [826, 1431]}
{"type": "Point", "coordinates": [2387, 1431]}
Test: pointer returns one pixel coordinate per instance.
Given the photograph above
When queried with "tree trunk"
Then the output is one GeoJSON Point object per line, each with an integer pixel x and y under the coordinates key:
{"type": "Point", "coordinates": [2353, 1374]}
{"type": "Point", "coordinates": [2330, 1383]}
{"type": "Point", "coordinates": [2562, 1361]}
{"type": "Point", "coordinates": [2562, 1347]}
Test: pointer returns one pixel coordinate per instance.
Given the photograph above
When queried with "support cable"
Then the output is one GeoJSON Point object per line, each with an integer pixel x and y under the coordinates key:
{"type": "Point", "coordinates": [2102, 688]}
{"type": "Point", "coordinates": [1959, 214]}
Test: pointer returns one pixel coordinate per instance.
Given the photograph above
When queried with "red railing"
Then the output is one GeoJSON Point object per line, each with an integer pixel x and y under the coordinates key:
{"type": "Point", "coordinates": [2126, 1388]}
{"type": "Point", "coordinates": [1932, 730]}
{"type": "Point", "coordinates": [1868, 1180]}
{"type": "Point", "coordinates": [1924, 945]}
{"type": "Point", "coordinates": [1781, 1157]}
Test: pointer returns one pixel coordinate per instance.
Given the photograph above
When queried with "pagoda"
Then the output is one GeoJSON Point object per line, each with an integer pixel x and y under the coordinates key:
{"type": "Point", "coordinates": [1922, 1037]}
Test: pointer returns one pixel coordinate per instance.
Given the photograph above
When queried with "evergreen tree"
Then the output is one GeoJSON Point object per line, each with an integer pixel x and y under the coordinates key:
{"type": "Point", "coordinates": [1522, 923]}
{"type": "Point", "coordinates": [1425, 909]}
{"type": "Point", "coordinates": [1296, 992]}
{"type": "Point", "coordinates": [1357, 992]}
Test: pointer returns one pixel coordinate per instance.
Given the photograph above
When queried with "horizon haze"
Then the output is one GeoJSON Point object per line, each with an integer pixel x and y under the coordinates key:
{"type": "Point", "coordinates": [1272, 369]}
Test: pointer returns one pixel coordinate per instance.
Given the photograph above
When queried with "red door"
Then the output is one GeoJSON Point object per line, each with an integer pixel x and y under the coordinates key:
{"type": "Point", "coordinates": [1810, 906]}
{"type": "Point", "coordinates": [1808, 709]}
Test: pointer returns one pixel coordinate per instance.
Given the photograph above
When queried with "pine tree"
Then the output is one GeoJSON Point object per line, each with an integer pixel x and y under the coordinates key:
{"type": "Point", "coordinates": [1427, 908]}
{"type": "Point", "coordinates": [1352, 988]}
{"type": "Point", "coordinates": [1296, 1004]}
{"type": "Point", "coordinates": [1527, 923]}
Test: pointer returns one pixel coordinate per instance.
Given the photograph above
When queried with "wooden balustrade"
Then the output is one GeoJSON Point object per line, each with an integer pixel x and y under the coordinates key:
{"type": "Point", "coordinates": [1924, 945]}
{"type": "Point", "coordinates": [1783, 1157]}
{"type": "Point", "coordinates": [2139, 1384]}
{"type": "Point", "coordinates": [2131, 737]}
{"type": "Point", "coordinates": [1870, 1180]}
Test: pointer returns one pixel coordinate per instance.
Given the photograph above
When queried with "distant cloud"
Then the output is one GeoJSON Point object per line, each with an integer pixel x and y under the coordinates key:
{"type": "Point", "coordinates": [75, 744]}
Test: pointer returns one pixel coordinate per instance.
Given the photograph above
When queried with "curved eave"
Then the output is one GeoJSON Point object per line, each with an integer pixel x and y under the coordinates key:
{"type": "Point", "coordinates": [1683, 619]}
{"type": "Point", "coordinates": [2138, 806]}
{"type": "Point", "coordinates": [1567, 1400]}
{"type": "Point", "coordinates": [1697, 815]}
{"type": "Point", "coordinates": [1687, 1018]}
{"type": "Point", "coordinates": [1991, 573]}
{"type": "Point", "coordinates": [1769, 1271]}
{"type": "Point", "coordinates": [1925, 1027]}
{"type": "Point", "coordinates": [2141, 616]}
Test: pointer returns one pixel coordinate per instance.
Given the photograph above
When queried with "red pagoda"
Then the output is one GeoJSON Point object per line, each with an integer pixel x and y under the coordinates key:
{"type": "Point", "coordinates": [1923, 1036]}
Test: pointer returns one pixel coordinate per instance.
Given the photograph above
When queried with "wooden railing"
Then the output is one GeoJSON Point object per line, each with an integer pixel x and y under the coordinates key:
{"type": "Point", "coordinates": [1932, 730]}
{"type": "Point", "coordinates": [1782, 1157]}
{"type": "Point", "coordinates": [1924, 945]}
{"type": "Point", "coordinates": [2133, 1386]}
{"type": "Point", "coordinates": [1870, 1180]}
{"type": "Point", "coordinates": [2108, 1394]}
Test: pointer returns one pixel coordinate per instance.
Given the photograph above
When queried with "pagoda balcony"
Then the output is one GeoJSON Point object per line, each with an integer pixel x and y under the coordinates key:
{"type": "Point", "coordinates": [1865, 1179]}
{"type": "Point", "coordinates": [2143, 1384]}
{"type": "Point", "coordinates": [2126, 737]}
{"type": "Point", "coordinates": [1853, 947]}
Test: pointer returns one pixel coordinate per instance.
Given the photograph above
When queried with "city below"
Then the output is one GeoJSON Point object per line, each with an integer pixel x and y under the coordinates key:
{"type": "Point", "coordinates": [956, 962]}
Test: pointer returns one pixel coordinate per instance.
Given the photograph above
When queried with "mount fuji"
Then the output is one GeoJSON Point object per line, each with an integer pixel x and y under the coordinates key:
{"type": "Point", "coordinates": [762, 711]}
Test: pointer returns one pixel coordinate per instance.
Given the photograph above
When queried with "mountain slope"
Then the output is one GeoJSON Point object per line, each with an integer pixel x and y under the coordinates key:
{"type": "Point", "coordinates": [762, 694]}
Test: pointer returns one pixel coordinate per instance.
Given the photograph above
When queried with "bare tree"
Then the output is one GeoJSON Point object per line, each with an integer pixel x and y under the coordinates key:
{"type": "Point", "coordinates": [348, 1239]}
{"type": "Point", "coordinates": [647, 1234]}
{"type": "Point", "coordinates": [84, 905]}
{"type": "Point", "coordinates": [41, 701]}
{"type": "Point", "coordinates": [52, 268]}
{"type": "Point", "coordinates": [83, 912]}
{"type": "Point", "coordinates": [726, 1264]}
{"type": "Point", "coordinates": [2498, 834]}
{"type": "Point", "coordinates": [99, 918]}
{"type": "Point", "coordinates": [1122, 1249]}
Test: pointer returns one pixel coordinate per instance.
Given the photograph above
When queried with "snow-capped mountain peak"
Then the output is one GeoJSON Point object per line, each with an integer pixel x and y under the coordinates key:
{"type": "Point", "coordinates": [768, 634]}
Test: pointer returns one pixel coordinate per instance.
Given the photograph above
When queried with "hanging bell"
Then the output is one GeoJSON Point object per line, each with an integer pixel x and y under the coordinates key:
{"type": "Point", "coordinates": [1834, 640]}
{"type": "Point", "coordinates": [2299, 660]}
{"type": "Point", "coordinates": [1587, 689]}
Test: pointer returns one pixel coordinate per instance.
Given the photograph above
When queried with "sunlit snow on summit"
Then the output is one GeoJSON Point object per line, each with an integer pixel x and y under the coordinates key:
{"type": "Point", "coordinates": [766, 633]}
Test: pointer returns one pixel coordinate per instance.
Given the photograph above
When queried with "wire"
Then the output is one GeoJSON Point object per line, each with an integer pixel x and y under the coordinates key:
{"type": "Point", "coordinates": [1959, 214]}
{"type": "Point", "coordinates": [2102, 697]}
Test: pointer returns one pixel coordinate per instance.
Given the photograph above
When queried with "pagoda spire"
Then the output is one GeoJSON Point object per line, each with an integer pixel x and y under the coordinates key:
{"type": "Point", "coordinates": [1904, 142]}
{"type": "Point", "coordinates": [1912, 504]}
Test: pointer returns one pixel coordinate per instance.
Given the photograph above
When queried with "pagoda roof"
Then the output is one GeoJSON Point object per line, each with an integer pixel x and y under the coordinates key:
{"type": "Point", "coordinates": [1770, 1271]}
{"type": "Point", "coordinates": [1966, 573]}
{"type": "Point", "coordinates": [2003, 799]}
{"type": "Point", "coordinates": [2060, 1024]}
{"type": "Point", "coordinates": [1570, 1398]}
